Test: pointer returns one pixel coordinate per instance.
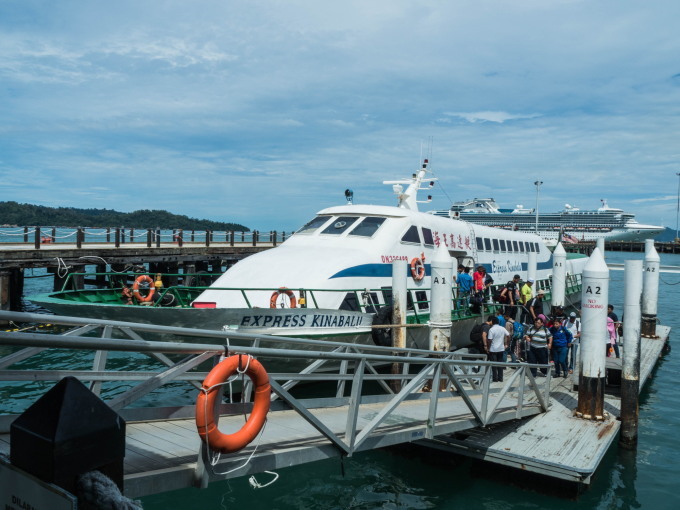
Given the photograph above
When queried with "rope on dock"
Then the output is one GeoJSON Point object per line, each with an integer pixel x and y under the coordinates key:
{"type": "Point", "coordinates": [97, 491]}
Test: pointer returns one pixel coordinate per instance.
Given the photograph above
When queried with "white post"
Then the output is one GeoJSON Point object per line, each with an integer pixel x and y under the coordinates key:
{"type": "Point", "coordinates": [599, 243]}
{"type": "Point", "coordinates": [630, 374]}
{"type": "Point", "coordinates": [593, 338]}
{"type": "Point", "coordinates": [559, 276]}
{"type": "Point", "coordinates": [650, 289]}
{"type": "Point", "coordinates": [399, 302]}
{"type": "Point", "coordinates": [399, 305]}
{"type": "Point", "coordinates": [531, 265]}
{"type": "Point", "coordinates": [441, 300]}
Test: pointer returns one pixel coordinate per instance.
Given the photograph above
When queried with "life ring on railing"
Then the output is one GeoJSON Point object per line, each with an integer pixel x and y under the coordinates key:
{"type": "Point", "coordinates": [418, 268]}
{"type": "Point", "coordinates": [277, 293]}
{"type": "Point", "coordinates": [135, 288]}
{"type": "Point", "coordinates": [207, 418]}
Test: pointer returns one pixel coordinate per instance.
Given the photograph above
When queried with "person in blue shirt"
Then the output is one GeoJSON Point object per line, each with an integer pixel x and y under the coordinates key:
{"type": "Point", "coordinates": [464, 281]}
{"type": "Point", "coordinates": [560, 346]}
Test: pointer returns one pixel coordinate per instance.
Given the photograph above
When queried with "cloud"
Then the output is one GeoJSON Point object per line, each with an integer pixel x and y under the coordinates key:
{"type": "Point", "coordinates": [499, 117]}
{"type": "Point", "coordinates": [205, 105]}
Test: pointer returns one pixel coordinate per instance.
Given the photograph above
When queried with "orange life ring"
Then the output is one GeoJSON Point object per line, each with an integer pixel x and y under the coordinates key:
{"type": "Point", "coordinates": [135, 288]}
{"type": "Point", "coordinates": [207, 418]}
{"type": "Point", "coordinates": [277, 293]}
{"type": "Point", "coordinates": [417, 269]}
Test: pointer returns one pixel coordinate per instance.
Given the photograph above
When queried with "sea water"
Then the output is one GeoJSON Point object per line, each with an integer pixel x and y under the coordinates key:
{"type": "Point", "coordinates": [413, 477]}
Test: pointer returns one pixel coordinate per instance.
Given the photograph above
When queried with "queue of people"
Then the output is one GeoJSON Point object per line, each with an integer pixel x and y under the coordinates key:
{"type": "Point", "coordinates": [533, 338]}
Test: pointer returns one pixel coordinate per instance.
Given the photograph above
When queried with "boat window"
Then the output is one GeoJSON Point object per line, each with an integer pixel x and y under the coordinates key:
{"type": "Point", "coordinates": [421, 300]}
{"type": "Point", "coordinates": [502, 241]}
{"type": "Point", "coordinates": [428, 240]}
{"type": "Point", "coordinates": [480, 243]}
{"type": "Point", "coordinates": [387, 295]}
{"type": "Point", "coordinates": [495, 245]}
{"type": "Point", "coordinates": [514, 244]}
{"type": "Point", "coordinates": [527, 246]}
{"type": "Point", "coordinates": [367, 227]}
{"type": "Point", "coordinates": [487, 244]}
{"type": "Point", "coordinates": [411, 235]}
{"type": "Point", "coordinates": [538, 248]}
{"type": "Point", "coordinates": [339, 225]}
{"type": "Point", "coordinates": [311, 226]}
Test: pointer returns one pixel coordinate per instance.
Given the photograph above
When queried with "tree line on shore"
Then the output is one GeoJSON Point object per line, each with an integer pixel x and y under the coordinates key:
{"type": "Point", "coordinates": [13, 213]}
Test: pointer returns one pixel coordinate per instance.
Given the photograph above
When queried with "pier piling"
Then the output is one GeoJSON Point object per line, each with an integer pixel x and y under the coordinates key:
{"type": "Point", "coordinates": [531, 266]}
{"type": "Point", "coordinates": [650, 289]}
{"type": "Point", "coordinates": [399, 305]}
{"type": "Point", "coordinates": [593, 329]}
{"type": "Point", "coordinates": [630, 376]}
{"type": "Point", "coordinates": [559, 276]}
{"type": "Point", "coordinates": [440, 303]}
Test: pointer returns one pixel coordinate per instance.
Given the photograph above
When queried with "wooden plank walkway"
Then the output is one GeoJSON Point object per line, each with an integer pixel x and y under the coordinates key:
{"type": "Point", "coordinates": [555, 443]}
{"type": "Point", "coordinates": [162, 456]}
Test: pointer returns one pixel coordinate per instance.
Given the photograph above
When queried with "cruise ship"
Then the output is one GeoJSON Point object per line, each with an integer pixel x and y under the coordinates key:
{"type": "Point", "coordinates": [570, 225]}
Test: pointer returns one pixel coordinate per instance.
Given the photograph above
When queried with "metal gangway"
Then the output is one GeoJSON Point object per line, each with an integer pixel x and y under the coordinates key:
{"type": "Point", "coordinates": [353, 399]}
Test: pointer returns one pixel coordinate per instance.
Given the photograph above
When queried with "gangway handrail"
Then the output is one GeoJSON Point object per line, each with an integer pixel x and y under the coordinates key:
{"type": "Point", "coordinates": [342, 362]}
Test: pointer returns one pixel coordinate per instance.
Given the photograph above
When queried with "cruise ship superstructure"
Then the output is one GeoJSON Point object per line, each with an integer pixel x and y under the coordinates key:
{"type": "Point", "coordinates": [571, 224]}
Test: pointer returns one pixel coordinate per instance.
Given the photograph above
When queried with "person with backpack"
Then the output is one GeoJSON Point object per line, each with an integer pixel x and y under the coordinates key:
{"type": "Point", "coordinates": [573, 324]}
{"type": "Point", "coordinates": [509, 295]}
{"type": "Point", "coordinates": [496, 342]}
{"type": "Point", "coordinates": [539, 342]}
{"type": "Point", "coordinates": [478, 334]}
{"type": "Point", "coordinates": [560, 345]}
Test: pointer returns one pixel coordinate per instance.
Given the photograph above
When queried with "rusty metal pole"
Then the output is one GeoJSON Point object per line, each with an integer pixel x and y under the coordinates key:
{"type": "Point", "coordinates": [630, 374]}
{"type": "Point", "coordinates": [650, 290]}
{"type": "Point", "coordinates": [399, 305]}
{"type": "Point", "coordinates": [593, 330]}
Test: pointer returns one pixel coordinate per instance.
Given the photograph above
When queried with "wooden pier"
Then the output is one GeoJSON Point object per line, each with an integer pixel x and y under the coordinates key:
{"type": "Point", "coordinates": [556, 444]}
{"type": "Point", "coordinates": [209, 253]}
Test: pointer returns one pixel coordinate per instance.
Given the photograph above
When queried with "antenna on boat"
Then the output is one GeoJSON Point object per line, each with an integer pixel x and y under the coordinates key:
{"type": "Point", "coordinates": [408, 198]}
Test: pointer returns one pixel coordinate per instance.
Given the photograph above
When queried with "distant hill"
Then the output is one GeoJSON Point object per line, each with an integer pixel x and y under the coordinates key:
{"type": "Point", "coordinates": [13, 213]}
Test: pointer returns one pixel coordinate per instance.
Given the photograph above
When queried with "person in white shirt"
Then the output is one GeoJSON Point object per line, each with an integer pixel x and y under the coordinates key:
{"type": "Point", "coordinates": [497, 340]}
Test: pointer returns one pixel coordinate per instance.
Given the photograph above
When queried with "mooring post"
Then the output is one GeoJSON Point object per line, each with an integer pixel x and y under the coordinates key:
{"type": "Point", "coordinates": [593, 330]}
{"type": "Point", "coordinates": [440, 300]}
{"type": "Point", "coordinates": [399, 305]}
{"type": "Point", "coordinates": [158, 237]}
{"type": "Point", "coordinates": [559, 277]}
{"type": "Point", "coordinates": [149, 236]}
{"type": "Point", "coordinates": [650, 290]}
{"type": "Point", "coordinates": [531, 267]}
{"type": "Point", "coordinates": [180, 237]}
{"type": "Point", "coordinates": [37, 238]}
{"type": "Point", "coordinates": [630, 374]}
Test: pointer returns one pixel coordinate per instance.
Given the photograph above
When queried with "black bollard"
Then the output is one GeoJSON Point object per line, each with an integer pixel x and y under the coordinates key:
{"type": "Point", "coordinates": [66, 433]}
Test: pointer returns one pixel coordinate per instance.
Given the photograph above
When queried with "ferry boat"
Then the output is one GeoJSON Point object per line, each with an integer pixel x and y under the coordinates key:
{"type": "Point", "coordinates": [569, 225]}
{"type": "Point", "coordinates": [334, 275]}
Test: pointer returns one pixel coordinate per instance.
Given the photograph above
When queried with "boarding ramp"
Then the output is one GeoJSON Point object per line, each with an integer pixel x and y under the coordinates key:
{"type": "Point", "coordinates": [353, 400]}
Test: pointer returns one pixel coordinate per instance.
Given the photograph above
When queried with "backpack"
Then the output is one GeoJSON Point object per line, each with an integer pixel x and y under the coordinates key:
{"type": "Point", "coordinates": [476, 333]}
{"type": "Point", "coordinates": [517, 330]}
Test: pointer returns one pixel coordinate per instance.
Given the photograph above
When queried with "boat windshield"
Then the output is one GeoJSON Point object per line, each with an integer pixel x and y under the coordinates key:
{"type": "Point", "coordinates": [339, 225]}
{"type": "Point", "coordinates": [367, 227]}
{"type": "Point", "coordinates": [312, 225]}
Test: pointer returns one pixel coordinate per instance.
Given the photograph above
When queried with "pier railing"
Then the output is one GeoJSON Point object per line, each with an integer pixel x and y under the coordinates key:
{"type": "Point", "coordinates": [290, 361]}
{"type": "Point", "coordinates": [38, 237]}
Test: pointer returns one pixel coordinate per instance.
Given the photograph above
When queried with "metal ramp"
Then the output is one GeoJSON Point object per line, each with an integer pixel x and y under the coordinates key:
{"type": "Point", "coordinates": [349, 404]}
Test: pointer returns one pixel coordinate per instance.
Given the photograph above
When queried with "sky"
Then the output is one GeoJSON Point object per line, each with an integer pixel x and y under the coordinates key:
{"type": "Point", "coordinates": [264, 112]}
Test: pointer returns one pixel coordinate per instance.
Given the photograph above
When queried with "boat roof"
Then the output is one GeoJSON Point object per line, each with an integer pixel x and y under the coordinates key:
{"type": "Point", "coordinates": [367, 210]}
